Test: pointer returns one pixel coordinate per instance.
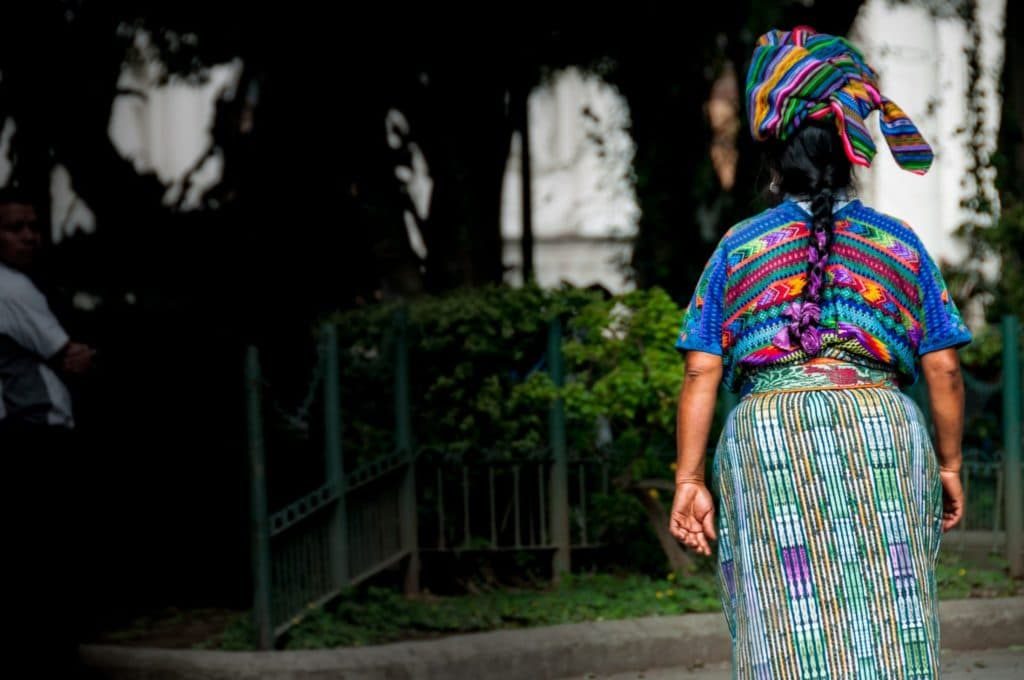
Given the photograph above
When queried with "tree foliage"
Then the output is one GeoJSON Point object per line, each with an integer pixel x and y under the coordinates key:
{"type": "Point", "coordinates": [308, 215]}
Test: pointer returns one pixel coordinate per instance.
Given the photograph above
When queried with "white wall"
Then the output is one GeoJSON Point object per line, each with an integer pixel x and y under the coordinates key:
{"type": "Point", "coordinates": [922, 67]}
{"type": "Point", "coordinates": [161, 128]}
{"type": "Point", "coordinates": [584, 205]}
{"type": "Point", "coordinates": [583, 201]}
{"type": "Point", "coordinates": [165, 128]}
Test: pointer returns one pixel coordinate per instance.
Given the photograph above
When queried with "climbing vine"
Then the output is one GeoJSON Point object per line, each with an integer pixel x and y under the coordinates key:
{"type": "Point", "coordinates": [989, 279]}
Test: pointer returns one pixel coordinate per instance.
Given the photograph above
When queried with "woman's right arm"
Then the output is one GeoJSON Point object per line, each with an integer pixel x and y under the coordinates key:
{"type": "Point", "coordinates": [941, 370]}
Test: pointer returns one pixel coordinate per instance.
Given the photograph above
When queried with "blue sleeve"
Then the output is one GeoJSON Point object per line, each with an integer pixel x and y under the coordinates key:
{"type": "Point", "coordinates": [701, 326]}
{"type": "Point", "coordinates": [942, 325]}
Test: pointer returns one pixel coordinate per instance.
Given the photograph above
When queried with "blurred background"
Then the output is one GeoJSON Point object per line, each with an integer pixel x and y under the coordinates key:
{"type": "Point", "coordinates": [219, 176]}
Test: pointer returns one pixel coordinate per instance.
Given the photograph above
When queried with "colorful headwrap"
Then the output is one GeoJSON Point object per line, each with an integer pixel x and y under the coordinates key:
{"type": "Point", "coordinates": [800, 74]}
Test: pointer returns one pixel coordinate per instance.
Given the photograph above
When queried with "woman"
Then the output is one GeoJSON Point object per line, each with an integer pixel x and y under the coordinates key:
{"type": "Point", "coordinates": [832, 499]}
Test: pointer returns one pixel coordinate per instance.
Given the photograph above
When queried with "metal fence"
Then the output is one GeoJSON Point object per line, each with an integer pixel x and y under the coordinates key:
{"type": "Point", "coordinates": [395, 506]}
{"type": "Point", "coordinates": [349, 528]}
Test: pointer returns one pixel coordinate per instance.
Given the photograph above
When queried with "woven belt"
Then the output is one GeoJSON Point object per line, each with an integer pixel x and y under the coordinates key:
{"type": "Point", "coordinates": [819, 373]}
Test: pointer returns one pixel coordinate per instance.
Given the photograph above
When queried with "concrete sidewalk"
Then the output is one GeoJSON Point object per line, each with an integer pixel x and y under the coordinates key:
{"type": "Point", "coordinates": [990, 664]}
{"type": "Point", "coordinates": [579, 649]}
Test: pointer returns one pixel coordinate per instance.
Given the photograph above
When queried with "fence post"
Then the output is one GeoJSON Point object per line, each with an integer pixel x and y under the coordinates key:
{"type": "Point", "coordinates": [408, 526]}
{"type": "Point", "coordinates": [558, 488]}
{"type": "Point", "coordinates": [333, 460]}
{"type": "Point", "coordinates": [1012, 445]}
{"type": "Point", "coordinates": [258, 501]}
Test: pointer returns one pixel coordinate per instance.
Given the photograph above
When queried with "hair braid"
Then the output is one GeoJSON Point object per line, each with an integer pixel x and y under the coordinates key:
{"type": "Point", "coordinates": [811, 164]}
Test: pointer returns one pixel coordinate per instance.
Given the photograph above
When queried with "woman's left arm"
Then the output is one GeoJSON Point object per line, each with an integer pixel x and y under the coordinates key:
{"type": "Point", "coordinates": [692, 520]}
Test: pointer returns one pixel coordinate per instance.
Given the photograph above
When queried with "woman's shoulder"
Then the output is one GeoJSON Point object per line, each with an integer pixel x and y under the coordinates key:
{"type": "Point", "coordinates": [869, 216]}
{"type": "Point", "coordinates": [756, 225]}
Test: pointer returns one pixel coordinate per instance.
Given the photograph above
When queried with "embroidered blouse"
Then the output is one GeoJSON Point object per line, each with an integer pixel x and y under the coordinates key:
{"type": "Point", "coordinates": [885, 302]}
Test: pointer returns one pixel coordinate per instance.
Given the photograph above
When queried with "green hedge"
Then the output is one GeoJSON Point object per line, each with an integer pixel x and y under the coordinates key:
{"type": "Point", "coordinates": [479, 382]}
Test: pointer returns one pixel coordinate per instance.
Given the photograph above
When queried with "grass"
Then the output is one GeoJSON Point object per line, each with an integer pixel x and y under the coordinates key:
{"type": "Point", "coordinates": [374, 615]}
{"type": "Point", "coordinates": [174, 628]}
{"type": "Point", "coordinates": [958, 577]}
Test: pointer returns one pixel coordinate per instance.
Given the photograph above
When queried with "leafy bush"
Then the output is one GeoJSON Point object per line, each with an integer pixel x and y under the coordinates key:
{"type": "Point", "coordinates": [481, 391]}
{"type": "Point", "coordinates": [477, 360]}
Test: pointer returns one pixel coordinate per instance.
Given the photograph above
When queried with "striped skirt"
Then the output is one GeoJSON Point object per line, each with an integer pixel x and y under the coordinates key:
{"type": "Point", "coordinates": [830, 519]}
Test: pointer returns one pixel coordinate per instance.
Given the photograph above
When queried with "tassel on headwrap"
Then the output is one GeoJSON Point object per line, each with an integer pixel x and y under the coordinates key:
{"type": "Point", "coordinates": [800, 74]}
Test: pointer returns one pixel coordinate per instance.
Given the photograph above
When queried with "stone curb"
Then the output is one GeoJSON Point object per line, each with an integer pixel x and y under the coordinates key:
{"type": "Point", "coordinates": [603, 647]}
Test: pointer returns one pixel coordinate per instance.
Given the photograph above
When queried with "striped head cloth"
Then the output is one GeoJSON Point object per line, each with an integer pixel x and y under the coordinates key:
{"type": "Point", "coordinates": [800, 74]}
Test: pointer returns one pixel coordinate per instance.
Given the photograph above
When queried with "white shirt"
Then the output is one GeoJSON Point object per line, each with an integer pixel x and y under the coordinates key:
{"type": "Point", "coordinates": [29, 336]}
{"type": "Point", "coordinates": [839, 201]}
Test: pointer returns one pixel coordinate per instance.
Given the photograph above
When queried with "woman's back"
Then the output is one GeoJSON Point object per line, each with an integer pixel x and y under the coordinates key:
{"type": "Point", "coordinates": [830, 498]}
{"type": "Point", "coordinates": [884, 301]}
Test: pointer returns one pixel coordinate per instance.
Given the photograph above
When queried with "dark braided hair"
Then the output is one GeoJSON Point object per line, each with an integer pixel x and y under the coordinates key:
{"type": "Point", "coordinates": [811, 163]}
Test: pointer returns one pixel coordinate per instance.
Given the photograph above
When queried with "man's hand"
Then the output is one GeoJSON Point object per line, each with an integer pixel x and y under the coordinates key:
{"type": "Point", "coordinates": [77, 358]}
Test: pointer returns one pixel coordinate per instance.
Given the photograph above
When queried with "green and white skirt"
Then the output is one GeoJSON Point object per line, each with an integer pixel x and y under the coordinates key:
{"type": "Point", "coordinates": [830, 520]}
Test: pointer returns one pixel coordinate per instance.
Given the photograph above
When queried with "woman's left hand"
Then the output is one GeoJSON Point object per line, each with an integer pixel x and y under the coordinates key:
{"type": "Point", "coordinates": [692, 520]}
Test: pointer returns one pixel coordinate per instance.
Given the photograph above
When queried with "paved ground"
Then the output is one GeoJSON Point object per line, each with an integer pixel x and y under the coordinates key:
{"type": "Point", "coordinates": [572, 651]}
{"type": "Point", "coordinates": [989, 664]}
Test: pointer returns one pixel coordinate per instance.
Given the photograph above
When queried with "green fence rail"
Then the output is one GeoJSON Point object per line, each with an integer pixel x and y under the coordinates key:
{"type": "Point", "coordinates": [349, 528]}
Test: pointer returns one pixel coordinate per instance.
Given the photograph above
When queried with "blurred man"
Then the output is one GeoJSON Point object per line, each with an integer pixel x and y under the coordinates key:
{"type": "Point", "coordinates": [41, 467]}
{"type": "Point", "coordinates": [34, 348]}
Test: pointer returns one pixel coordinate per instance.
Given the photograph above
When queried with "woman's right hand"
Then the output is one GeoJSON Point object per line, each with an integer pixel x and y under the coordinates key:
{"type": "Point", "coordinates": [952, 498]}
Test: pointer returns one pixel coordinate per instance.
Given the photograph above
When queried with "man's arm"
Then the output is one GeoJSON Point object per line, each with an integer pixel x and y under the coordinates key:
{"type": "Point", "coordinates": [26, 318]}
{"type": "Point", "coordinates": [76, 358]}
